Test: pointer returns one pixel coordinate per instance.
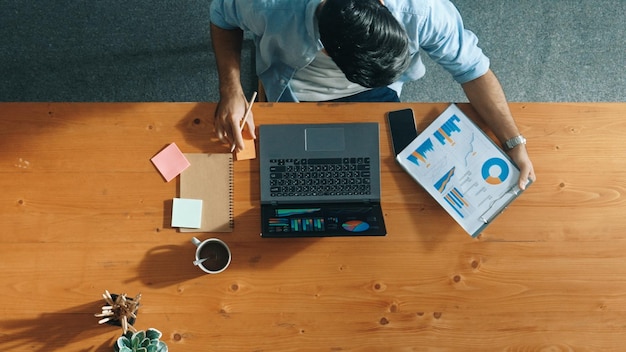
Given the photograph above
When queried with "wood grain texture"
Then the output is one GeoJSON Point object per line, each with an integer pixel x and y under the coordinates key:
{"type": "Point", "coordinates": [83, 210]}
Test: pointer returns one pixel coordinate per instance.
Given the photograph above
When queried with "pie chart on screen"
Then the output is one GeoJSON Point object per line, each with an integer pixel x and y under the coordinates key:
{"type": "Point", "coordinates": [355, 226]}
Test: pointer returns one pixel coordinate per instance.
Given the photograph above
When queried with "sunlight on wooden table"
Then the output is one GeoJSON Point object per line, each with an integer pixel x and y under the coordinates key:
{"type": "Point", "coordinates": [84, 210]}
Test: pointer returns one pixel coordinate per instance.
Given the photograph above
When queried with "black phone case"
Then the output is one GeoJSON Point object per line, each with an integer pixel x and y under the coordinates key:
{"type": "Point", "coordinates": [402, 128]}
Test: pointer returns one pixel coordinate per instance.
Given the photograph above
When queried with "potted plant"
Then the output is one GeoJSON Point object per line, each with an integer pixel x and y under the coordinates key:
{"type": "Point", "coordinates": [141, 341]}
{"type": "Point", "coordinates": [120, 311]}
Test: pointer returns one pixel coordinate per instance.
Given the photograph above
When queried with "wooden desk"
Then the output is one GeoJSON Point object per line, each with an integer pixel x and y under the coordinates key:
{"type": "Point", "coordinates": [82, 210]}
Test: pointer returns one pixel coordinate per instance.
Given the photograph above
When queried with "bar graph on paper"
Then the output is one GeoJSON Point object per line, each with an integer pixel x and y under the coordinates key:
{"type": "Point", "coordinates": [462, 169]}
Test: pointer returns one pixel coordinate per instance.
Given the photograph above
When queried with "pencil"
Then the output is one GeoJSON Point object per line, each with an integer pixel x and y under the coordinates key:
{"type": "Point", "coordinates": [245, 118]}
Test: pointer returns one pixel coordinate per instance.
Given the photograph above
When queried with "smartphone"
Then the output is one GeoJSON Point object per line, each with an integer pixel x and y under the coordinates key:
{"type": "Point", "coordinates": [402, 128]}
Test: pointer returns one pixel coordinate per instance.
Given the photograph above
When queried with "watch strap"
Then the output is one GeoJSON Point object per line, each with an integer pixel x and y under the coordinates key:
{"type": "Point", "coordinates": [514, 142]}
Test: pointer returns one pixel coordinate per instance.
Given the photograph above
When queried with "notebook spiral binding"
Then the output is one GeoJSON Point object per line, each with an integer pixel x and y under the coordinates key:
{"type": "Point", "coordinates": [231, 178]}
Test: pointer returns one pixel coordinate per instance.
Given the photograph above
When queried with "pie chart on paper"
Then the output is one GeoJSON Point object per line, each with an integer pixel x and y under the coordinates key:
{"type": "Point", "coordinates": [355, 226]}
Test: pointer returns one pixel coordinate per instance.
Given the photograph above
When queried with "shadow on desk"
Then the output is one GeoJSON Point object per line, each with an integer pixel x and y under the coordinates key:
{"type": "Point", "coordinates": [171, 264]}
{"type": "Point", "coordinates": [167, 265]}
{"type": "Point", "coordinates": [427, 223]}
{"type": "Point", "coordinates": [197, 129]}
{"type": "Point", "coordinates": [54, 331]}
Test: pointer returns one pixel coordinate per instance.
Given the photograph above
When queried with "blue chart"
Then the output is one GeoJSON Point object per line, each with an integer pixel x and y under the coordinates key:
{"type": "Point", "coordinates": [355, 226]}
{"type": "Point", "coordinates": [458, 202]}
{"type": "Point", "coordinates": [419, 155]}
{"type": "Point", "coordinates": [495, 163]}
{"type": "Point", "coordinates": [443, 182]}
{"type": "Point", "coordinates": [307, 224]}
{"type": "Point", "coordinates": [444, 133]}
{"type": "Point", "coordinates": [290, 212]}
{"type": "Point", "coordinates": [462, 169]}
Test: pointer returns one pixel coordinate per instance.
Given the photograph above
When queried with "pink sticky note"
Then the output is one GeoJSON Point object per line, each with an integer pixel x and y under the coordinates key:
{"type": "Point", "coordinates": [170, 162]}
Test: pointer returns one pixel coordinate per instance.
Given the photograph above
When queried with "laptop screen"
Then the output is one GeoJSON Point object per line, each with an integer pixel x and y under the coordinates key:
{"type": "Point", "coordinates": [306, 220]}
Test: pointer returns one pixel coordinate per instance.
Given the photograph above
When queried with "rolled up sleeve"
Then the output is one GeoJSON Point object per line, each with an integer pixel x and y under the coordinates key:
{"type": "Point", "coordinates": [446, 41]}
{"type": "Point", "coordinates": [224, 14]}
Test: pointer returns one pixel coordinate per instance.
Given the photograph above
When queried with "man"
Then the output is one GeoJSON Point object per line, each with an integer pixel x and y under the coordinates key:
{"type": "Point", "coordinates": [352, 50]}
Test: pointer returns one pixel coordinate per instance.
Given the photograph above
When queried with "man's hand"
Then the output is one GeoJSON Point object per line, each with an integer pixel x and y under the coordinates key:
{"type": "Point", "coordinates": [522, 160]}
{"type": "Point", "coordinates": [232, 106]}
{"type": "Point", "coordinates": [228, 116]}
{"type": "Point", "coordinates": [486, 96]}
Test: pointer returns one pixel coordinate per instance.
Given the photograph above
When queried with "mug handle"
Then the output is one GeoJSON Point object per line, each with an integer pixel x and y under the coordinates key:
{"type": "Point", "coordinates": [195, 241]}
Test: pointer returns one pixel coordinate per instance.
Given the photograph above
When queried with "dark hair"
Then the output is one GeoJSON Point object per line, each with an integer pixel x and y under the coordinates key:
{"type": "Point", "coordinates": [365, 41]}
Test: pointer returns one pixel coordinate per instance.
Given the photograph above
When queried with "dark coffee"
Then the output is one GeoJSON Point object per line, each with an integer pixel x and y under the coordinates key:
{"type": "Point", "coordinates": [216, 254]}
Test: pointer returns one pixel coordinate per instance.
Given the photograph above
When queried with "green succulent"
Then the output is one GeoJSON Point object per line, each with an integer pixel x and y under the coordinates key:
{"type": "Point", "coordinates": [141, 341]}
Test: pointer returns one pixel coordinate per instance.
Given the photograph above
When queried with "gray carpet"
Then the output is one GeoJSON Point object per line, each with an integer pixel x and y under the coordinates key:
{"type": "Point", "coordinates": [159, 50]}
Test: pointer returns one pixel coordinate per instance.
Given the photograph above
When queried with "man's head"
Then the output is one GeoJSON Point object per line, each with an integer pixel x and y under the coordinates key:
{"type": "Point", "coordinates": [364, 40]}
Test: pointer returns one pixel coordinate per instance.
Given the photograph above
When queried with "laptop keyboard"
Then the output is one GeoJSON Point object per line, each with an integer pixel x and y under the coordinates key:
{"type": "Point", "coordinates": [320, 177]}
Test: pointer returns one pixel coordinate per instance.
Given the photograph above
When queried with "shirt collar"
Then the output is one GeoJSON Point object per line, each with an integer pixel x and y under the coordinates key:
{"type": "Point", "coordinates": [311, 23]}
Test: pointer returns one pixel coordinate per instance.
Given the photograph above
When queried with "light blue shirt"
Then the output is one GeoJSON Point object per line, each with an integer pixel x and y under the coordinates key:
{"type": "Point", "coordinates": [287, 39]}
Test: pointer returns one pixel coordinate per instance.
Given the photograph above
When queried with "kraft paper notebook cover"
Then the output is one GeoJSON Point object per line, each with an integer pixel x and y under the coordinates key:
{"type": "Point", "coordinates": [209, 178]}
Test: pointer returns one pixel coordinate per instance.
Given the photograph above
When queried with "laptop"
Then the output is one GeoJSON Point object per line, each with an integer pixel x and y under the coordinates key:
{"type": "Point", "coordinates": [320, 180]}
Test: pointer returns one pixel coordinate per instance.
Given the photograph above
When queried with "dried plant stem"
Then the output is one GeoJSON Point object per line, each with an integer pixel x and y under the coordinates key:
{"type": "Point", "coordinates": [122, 309]}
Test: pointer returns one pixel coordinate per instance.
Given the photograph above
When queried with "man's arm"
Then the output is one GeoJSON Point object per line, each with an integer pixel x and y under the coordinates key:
{"type": "Point", "coordinates": [487, 97]}
{"type": "Point", "coordinates": [232, 106]}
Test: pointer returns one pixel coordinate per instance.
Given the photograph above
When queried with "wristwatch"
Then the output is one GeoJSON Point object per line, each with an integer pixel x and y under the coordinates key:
{"type": "Point", "coordinates": [514, 142]}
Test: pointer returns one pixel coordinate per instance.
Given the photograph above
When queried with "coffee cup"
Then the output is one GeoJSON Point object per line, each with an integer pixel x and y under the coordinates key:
{"type": "Point", "coordinates": [212, 255]}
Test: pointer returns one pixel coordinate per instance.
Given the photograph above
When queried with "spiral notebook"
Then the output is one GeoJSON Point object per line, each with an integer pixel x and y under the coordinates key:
{"type": "Point", "coordinates": [210, 178]}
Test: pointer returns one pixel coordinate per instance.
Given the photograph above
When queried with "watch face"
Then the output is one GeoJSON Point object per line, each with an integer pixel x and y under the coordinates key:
{"type": "Point", "coordinates": [513, 142]}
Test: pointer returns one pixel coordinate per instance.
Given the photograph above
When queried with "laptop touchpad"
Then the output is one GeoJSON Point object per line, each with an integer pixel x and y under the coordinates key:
{"type": "Point", "coordinates": [327, 139]}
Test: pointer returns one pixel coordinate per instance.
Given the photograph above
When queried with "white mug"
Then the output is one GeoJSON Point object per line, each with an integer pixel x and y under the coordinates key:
{"type": "Point", "coordinates": [215, 253]}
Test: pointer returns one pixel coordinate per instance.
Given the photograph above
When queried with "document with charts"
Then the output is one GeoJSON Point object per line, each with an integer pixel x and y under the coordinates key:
{"type": "Point", "coordinates": [463, 169]}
